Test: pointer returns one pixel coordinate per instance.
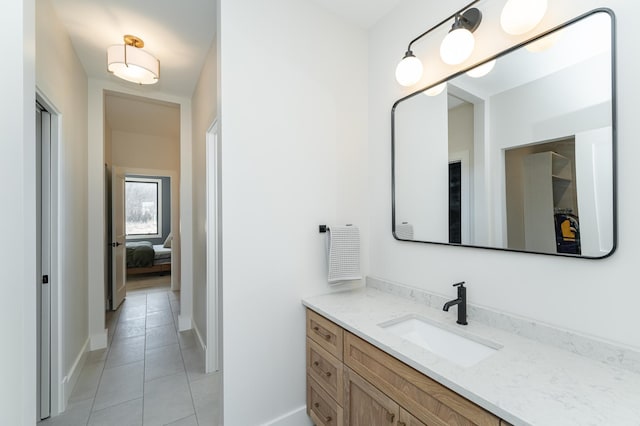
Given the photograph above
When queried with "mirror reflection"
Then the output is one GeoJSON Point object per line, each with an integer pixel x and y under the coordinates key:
{"type": "Point", "coordinates": [516, 154]}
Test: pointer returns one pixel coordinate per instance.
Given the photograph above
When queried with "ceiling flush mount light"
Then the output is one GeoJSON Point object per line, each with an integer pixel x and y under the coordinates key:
{"type": "Point", "coordinates": [409, 70]}
{"type": "Point", "coordinates": [482, 70]}
{"type": "Point", "coordinates": [521, 16]}
{"type": "Point", "coordinates": [131, 63]}
{"type": "Point", "coordinates": [458, 45]}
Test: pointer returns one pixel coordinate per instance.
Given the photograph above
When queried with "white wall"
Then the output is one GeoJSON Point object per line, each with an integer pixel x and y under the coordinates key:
{"type": "Point", "coordinates": [17, 223]}
{"type": "Point", "coordinates": [204, 108]}
{"type": "Point", "coordinates": [145, 151]}
{"type": "Point", "coordinates": [421, 157]}
{"type": "Point", "coordinates": [60, 77]}
{"type": "Point", "coordinates": [294, 155]}
{"type": "Point", "coordinates": [593, 297]}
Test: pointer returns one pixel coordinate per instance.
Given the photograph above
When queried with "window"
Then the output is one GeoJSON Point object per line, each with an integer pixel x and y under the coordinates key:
{"type": "Point", "coordinates": [143, 207]}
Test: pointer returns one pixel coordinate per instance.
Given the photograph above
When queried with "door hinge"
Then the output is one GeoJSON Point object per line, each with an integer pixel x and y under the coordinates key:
{"type": "Point", "coordinates": [45, 279]}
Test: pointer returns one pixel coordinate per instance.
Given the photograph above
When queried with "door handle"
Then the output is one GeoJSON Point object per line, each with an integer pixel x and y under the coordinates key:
{"type": "Point", "coordinates": [116, 244]}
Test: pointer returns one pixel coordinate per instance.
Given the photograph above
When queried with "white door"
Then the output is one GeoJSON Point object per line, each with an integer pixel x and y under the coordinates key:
{"type": "Point", "coordinates": [43, 169]}
{"type": "Point", "coordinates": [118, 251]}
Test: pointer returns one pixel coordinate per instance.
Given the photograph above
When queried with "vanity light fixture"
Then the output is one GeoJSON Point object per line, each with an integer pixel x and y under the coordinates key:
{"type": "Point", "coordinates": [409, 69]}
{"type": "Point", "coordinates": [458, 45]}
{"type": "Point", "coordinates": [481, 70]}
{"type": "Point", "coordinates": [129, 62]}
{"type": "Point", "coordinates": [521, 16]}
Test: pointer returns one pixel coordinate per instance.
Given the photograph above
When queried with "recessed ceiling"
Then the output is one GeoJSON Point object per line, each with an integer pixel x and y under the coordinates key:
{"type": "Point", "coordinates": [363, 13]}
{"type": "Point", "coordinates": [178, 33]}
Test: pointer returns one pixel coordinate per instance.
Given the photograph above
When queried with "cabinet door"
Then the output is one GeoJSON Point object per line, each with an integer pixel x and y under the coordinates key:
{"type": "Point", "coordinates": [406, 419]}
{"type": "Point", "coordinates": [367, 406]}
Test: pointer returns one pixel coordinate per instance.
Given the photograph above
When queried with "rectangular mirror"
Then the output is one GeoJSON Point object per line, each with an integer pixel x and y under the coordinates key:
{"type": "Point", "coordinates": [522, 158]}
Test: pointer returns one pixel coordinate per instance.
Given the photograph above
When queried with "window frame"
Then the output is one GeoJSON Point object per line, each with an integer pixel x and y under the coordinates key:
{"type": "Point", "coordinates": [158, 182]}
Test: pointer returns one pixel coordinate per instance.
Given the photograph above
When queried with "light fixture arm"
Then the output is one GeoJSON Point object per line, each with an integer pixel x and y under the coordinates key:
{"type": "Point", "coordinates": [444, 21]}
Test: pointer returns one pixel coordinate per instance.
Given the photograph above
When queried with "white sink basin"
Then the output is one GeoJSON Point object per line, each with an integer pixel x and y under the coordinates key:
{"type": "Point", "coordinates": [463, 350]}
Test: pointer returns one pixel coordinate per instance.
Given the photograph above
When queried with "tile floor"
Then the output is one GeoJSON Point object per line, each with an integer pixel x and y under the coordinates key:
{"type": "Point", "coordinates": [150, 374]}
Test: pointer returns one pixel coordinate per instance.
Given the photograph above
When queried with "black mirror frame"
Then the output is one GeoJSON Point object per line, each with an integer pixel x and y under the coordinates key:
{"type": "Point", "coordinates": [614, 136]}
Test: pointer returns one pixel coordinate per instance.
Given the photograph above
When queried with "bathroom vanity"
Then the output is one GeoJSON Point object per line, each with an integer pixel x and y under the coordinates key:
{"type": "Point", "coordinates": [361, 372]}
{"type": "Point", "coordinates": [351, 382]}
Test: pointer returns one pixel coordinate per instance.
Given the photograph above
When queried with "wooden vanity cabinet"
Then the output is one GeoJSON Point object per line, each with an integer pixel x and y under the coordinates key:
{"type": "Point", "coordinates": [364, 386]}
{"type": "Point", "coordinates": [406, 419]}
{"type": "Point", "coordinates": [426, 400]}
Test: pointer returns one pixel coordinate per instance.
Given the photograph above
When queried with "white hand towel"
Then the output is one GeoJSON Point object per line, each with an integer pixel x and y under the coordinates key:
{"type": "Point", "coordinates": [404, 231]}
{"type": "Point", "coordinates": [343, 253]}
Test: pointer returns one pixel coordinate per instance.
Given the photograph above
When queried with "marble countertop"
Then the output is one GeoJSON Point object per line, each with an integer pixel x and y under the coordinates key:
{"type": "Point", "coordinates": [525, 382]}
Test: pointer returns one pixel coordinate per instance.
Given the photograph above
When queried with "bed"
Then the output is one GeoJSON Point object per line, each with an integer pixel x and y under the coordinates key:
{"type": "Point", "coordinates": [146, 258]}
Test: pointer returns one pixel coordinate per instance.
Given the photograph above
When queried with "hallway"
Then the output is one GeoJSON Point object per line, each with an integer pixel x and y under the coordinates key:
{"type": "Point", "coordinates": [150, 374]}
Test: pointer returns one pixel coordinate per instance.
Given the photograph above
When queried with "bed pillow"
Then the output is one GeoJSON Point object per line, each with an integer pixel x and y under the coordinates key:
{"type": "Point", "coordinates": [167, 242]}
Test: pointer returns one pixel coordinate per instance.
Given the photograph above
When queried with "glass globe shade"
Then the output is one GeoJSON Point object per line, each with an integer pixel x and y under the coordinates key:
{"type": "Point", "coordinates": [436, 90]}
{"type": "Point", "coordinates": [482, 70]}
{"type": "Point", "coordinates": [521, 16]}
{"type": "Point", "coordinates": [409, 71]}
{"type": "Point", "coordinates": [457, 46]}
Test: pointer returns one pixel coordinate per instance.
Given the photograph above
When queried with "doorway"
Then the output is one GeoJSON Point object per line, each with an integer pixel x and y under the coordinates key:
{"type": "Point", "coordinates": [49, 387]}
{"type": "Point", "coordinates": [43, 262]}
{"type": "Point", "coordinates": [142, 156]}
{"type": "Point", "coordinates": [143, 217]}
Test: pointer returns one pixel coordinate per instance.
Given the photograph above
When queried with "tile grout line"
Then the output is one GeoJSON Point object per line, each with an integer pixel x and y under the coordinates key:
{"type": "Point", "coordinates": [104, 365]}
{"type": "Point", "coordinates": [144, 360]}
{"type": "Point", "coordinates": [184, 365]}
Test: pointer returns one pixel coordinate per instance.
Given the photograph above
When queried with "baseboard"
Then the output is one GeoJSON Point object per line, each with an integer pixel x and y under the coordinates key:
{"type": "Point", "coordinates": [98, 341]}
{"type": "Point", "coordinates": [297, 417]}
{"type": "Point", "coordinates": [199, 336]}
{"type": "Point", "coordinates": [71, 378]}
{"type": "Point", "coordinates": [184, 323]}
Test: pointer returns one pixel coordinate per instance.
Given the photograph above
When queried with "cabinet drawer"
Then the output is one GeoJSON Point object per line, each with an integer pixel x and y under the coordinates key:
{"type": "Point", "coordinates": [430, 402]}
{"type": "Point", "coordinates": [406, 419]}
{"type": "Point", "coordinates": [326, 369]}
{"type": "Point", "coordinates": [322, 409]}
{"type": "Point", "coordinates": [325, 333]}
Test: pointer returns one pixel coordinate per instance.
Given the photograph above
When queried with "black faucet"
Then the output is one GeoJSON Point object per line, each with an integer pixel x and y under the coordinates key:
{"type": "Point", "coordinates": [461, 301]}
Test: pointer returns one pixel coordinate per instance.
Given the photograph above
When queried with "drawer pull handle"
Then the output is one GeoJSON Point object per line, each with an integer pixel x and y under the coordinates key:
{"type": "Point", "coordinates": [316, 405]}
{"type": "Point", "coordinates": [402, 424]}
{"type": "Point", "coordinates": [317, 330]}
{"type": "Point", "coordinates": [327, 419]}
{"type": "Point", "coordinates": [390, 417]}
{"type": "Point", "coordinates": [316, 364]}
{"type": "Point", "coordinates": [328, 374]}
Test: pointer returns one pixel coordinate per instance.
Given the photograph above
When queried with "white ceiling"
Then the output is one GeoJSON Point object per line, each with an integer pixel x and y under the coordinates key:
{"type": "Point", "coordinates": [178, 33]}
{"type": "Point", "coordinates": [363, 13]}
